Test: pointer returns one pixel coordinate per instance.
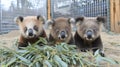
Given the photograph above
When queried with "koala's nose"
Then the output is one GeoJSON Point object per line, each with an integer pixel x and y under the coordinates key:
{"type": "Point", "coordinates": [62, 34]}
{"type": "Point", "coordinates": [89, 34]}
{"type": "Point", "coordinates": [30, 32]}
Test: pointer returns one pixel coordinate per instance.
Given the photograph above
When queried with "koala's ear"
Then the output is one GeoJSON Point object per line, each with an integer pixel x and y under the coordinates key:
{"type": "Point", "coordinates": [71, 20]}
{"type": "Point", "coordinates": [101, 19]}
{"type": "Point", "coordinates": [18, 19]}
{"type": "Point", "coordinates": [79, 19]}
{"type": "Point", "coordinates": [41, 19]}
{"type": "Point", "coordinates": [49, 22]}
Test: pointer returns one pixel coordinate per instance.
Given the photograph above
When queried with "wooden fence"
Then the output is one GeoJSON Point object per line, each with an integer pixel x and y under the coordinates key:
{"type": "Point", "coordinates": [115, 15]}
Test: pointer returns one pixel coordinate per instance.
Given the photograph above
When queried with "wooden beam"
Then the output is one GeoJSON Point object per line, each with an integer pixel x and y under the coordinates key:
{"type": "Point", "coordinates": [117, 17]}
{"type": "Point", "coordinates": [112, 19]}
{"type": "Point", "coordinates": [48, 9]}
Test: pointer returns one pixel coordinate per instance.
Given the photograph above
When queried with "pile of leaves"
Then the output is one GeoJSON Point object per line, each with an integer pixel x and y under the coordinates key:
{"type": "Point", "coordinates": [59, 55]}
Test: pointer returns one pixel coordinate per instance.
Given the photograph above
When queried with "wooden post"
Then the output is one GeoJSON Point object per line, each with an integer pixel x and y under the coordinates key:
{"type": "Point", "coordinates": [48, 9]}
{"type": "Point", "coordinates": [112, 7]}
{"type": "Point", "coordinates": [115, 15]}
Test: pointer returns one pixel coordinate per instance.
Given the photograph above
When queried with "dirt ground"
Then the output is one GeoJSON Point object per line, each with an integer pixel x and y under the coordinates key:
{"type": "Point", "coordinates": [110, 40]}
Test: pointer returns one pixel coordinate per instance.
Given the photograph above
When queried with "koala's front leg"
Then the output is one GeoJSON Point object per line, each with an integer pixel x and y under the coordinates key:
{"type": "Point", "coordinates": [22, 42]}
{"type": "Point", "coordinates": [97, 44]}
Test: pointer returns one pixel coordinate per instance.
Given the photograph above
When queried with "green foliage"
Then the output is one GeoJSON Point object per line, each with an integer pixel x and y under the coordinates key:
{"type": "Point", "coordinates": [59, 55]}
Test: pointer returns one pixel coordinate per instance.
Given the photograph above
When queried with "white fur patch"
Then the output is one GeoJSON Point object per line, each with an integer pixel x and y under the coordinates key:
{"type": "Point", "coordinates": [31, 25]}
{"type": "Point", "coordinates": [72, 20]}
{"type": "Point", "coordinates": [85, 36]}
{"type": "Point", "coordinates": [48, 23]}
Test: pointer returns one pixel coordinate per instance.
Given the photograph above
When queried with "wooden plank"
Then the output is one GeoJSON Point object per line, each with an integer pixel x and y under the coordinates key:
{"type": "Point", "coordinates": [49, 9]}
{"type": "Point", "coordinates": [116, 16]}
{"type": "Point", "coordinates": [112, 16]}
{"type": "Point", "coordinates": [119, 17]}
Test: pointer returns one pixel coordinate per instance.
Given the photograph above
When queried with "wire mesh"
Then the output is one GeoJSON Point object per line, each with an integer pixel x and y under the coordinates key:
{"type": "Point", "coordinates": [9, 9]}
{"type": "Point", "coordinates": [75, 8]}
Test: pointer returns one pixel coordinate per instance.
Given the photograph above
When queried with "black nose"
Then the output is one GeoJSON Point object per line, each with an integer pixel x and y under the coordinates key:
{"type": "Point", "coordinates": [89, 34]}
{"type": "Point", "coordinates": [30, 32]}
{"type": "Point", "coordinates": [62, 34]}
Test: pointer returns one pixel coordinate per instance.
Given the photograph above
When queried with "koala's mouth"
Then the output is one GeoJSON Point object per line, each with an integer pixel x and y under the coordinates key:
{"type": "Point", "coordinates": [62, 37]}
{"type": "Point", "coordinates": [33, 36]}
{"type": "Point", "coordinates": [89, 38]}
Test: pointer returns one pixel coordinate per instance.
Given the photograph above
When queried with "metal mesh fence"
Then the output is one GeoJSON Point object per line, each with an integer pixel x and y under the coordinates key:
{"type": "Point", "coordinates": [9, 9]}
{"type": "Point", "coordinates": [75, 8]}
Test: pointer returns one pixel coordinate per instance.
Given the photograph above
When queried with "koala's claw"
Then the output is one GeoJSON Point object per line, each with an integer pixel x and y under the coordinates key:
{"type": "Point", "coordinates": [84, 50]}
{"type": "Point", "coordinates": [102, 54]}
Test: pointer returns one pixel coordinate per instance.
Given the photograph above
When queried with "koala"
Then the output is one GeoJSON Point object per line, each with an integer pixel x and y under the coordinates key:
{"type": "Point", "coordinates": [31, 28]}
{"type": "Point", "coordinates": [61, 30]}
{"type": "Point", "coordinates": [87, 35]}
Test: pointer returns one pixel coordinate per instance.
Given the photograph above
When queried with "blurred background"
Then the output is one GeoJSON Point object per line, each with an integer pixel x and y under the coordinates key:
{"type": "Point", "coordinates": [9, 9]}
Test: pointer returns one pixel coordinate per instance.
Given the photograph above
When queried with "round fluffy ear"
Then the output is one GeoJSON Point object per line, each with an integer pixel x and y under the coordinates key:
{"type": "Point", "coordinates": [71, 20]}
{"type": "Point", "coordinates": [41, 18]}
{"type": "Point", "coordinates": [101, 19]}
{"type": "Point", "coordinates": [49, 22]}
{"type": "Point", "coordinates": [79, 19]}
{"type": "Point", "coordinates": [18, 19]}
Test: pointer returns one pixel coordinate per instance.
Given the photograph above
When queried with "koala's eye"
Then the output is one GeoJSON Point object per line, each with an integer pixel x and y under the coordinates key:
{"type": "Point", "coordinates": [57, 30]}
{"type": "Point", "coordinates": [67, 28]}
{"type": "Point", "coordinates": [84, 30]}
{"type": "Point", "coordinates": [25, 29]}
{"type": "Point", "coordinates": [35, 28]}
{"type": "Point", "coordinates": [94, 30]}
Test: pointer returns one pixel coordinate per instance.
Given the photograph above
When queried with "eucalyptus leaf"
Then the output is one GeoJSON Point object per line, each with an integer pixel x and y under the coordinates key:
{"type": "Point", "coordinates": [23, 59]}
{"type": "Point", "coordinates": [62, 63]}
{"type": "Point", "coordinates": [43, 55]}
{"type": "Point", "coordinates": [46, 62]}
{"type": "Point", "coordinates": [12, 60]}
